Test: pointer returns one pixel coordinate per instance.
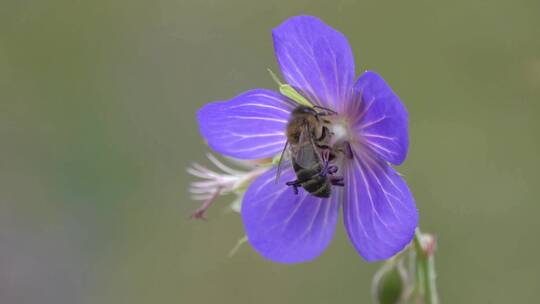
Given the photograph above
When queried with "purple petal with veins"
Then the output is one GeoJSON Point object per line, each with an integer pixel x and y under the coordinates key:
{"type": "Point", "coordinates": [249, 126]}
{"type": "Point", "coordinates": [380, 119]}
{"type": "Point", "coordinates": [316, 59]}
{"type": "Point", "coordinates": [379, 210]}
{"type": "Point", "coordinates": [285, 227]}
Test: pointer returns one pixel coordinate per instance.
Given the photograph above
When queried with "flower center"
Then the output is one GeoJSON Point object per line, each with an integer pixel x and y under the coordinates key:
{"type": "Point", "coordinates": [339, 131]}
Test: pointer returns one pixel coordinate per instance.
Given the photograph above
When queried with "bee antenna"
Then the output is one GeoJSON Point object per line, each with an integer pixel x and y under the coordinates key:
{"type": "Point", "coordinates": [325, 109]}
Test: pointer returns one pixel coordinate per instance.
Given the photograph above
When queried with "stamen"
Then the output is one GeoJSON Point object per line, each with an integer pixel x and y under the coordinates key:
{"type": "Point", "coordinates": [199, 213]}
{"type": "Point", "coordinates": [347, 150]}
{"type": "Point", "coordinates": [222, 166]}
{"type": "Point", "coordinates": [224, 181]}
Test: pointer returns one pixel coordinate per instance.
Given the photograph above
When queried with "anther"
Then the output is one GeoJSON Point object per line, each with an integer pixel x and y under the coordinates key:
{"type": "Point", "coordinates": [199, 213]}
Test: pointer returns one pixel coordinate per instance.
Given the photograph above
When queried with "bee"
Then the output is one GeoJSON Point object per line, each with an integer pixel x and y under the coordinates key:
{"type": "Point", "coordinates": [308, 138]}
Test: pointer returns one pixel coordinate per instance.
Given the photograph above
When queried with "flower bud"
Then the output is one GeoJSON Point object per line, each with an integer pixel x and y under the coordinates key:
{"type": "Point", "coordinates": [390, 283]}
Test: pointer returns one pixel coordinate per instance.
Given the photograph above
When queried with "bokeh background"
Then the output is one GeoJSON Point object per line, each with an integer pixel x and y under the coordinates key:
{"type": "Point", "coordinates": [97, 125]}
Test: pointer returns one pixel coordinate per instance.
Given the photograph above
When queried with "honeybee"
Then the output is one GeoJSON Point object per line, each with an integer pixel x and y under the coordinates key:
{"type": "Point", "coordinates": [308, 138]}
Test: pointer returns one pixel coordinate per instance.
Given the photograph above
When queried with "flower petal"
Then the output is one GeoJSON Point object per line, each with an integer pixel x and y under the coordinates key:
{"type": "Point", "coordinates": [381, 120]}
{"type": "Point", "coordinates": [249, 126]}
{"type": "Point", "coordinates": [379, 212]}
{"type": "Point", "coordinates": [286, 227]}
{"type": "Point", "coordinates": [316, 59]}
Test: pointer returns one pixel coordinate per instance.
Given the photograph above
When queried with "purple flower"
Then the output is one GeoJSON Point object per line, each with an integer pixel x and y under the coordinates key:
{"type": "Point", "coordinates": [378, 209]}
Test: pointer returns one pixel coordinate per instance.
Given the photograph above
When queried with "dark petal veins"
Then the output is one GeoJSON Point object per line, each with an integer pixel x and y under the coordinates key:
{"type": "Point", "coordinates": [379, 211]}
{"type": "Point", "coordinates": [249, 126]}
{"type": "Point", "coordinates": [380, 118]}
{"type": "Point", "coordinates": [285, 227]}
{"type": "Point", "coordinates": [316, 59]}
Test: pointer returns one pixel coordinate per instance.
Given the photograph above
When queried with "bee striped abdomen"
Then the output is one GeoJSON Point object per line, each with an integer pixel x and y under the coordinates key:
{"type": "Point", "coordinates": [319, 187]}
{"type": "Point", "coordinates": [311, 180]}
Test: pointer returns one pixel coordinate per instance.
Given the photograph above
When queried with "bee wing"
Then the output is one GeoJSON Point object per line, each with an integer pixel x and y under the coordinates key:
{"type": "Point", "coordinates": [305, 153]}
{"type": "Point", "coordinates": [278, 172]}
{"type": "Point", "coordinates": [305, 156]}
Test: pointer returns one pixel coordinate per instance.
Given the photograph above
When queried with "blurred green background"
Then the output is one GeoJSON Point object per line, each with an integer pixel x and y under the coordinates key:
{"type": "Point", "coordinates": [97, 126]}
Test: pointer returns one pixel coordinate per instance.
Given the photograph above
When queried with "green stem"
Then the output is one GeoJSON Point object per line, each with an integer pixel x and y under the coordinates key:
{"type": "Point", "coordinates": [425, 271]}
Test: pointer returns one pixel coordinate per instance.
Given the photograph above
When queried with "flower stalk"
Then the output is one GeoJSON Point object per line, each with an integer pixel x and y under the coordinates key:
{"type": "Point", "coordinates": [426, 289]}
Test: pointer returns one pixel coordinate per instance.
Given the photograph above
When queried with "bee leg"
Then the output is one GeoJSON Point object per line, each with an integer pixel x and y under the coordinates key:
{"type": "Point", "coordinates": [332, 169]}
{"type": "Point", "coordinates": [337, 181]}
{"type": "Point", "coordinates": [321, 146]}
{"type": "Point", "coordinates": [328, 170]}
{"type": "Point", "coordinates": [323, 133]}
{"type": "Point", "coordinates": [295, 185]}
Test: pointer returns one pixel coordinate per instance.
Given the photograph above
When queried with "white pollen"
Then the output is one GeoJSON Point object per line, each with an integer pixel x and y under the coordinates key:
{"type": "Point", "coordinates": [340, 132]}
